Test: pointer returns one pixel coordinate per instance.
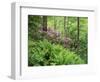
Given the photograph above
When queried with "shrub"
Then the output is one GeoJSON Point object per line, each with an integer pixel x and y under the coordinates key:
{"type": "Point", "coordinates": [43, 53]}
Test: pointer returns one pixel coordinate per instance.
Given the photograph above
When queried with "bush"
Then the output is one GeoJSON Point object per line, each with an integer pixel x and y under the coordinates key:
{"type": "Point", "coordinates": [42, 53]}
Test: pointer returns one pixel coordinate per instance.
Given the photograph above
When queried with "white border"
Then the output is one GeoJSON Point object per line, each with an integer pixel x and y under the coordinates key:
{"type": "Point", "coordinates": [19, 41]}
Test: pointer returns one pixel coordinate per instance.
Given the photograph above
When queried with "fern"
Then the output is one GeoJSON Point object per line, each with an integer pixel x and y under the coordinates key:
{"type": "Point", "coordinates": [43, 53]}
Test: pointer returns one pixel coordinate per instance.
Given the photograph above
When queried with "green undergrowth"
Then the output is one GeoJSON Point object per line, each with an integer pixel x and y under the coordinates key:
{"type": "Point", "coordinates": [43, 53]}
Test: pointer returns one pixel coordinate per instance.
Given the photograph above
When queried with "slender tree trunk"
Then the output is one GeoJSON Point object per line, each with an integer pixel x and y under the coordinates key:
{"type": "Point", "coordinates": [41, 22]}
{"type": "Point", "coordinates": [78, 25]}
{"type": "Point", "coordinates": [44, 23]}
{"type": "Point", "coordinates": [65, 26]}
{"type": "Point", "coordinates": [78, 28]}
{"type": "Point", "coordinates": [54, 23]}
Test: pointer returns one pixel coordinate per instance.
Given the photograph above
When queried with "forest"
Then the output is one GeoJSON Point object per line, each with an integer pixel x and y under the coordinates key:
{"type": "Point", "coordinates": [57, 40]}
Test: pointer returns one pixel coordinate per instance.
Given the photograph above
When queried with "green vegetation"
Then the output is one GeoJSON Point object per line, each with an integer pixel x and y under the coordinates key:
{"type": "Point", "coordinates": [57, 40]}
{"type": "Point", "coordinates": [44, 53]}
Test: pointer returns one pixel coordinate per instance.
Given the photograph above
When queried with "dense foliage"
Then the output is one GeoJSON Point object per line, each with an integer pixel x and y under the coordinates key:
{"type": "Point", "coordinates": [57, 40]}
{"type": "Point", "coordinates": [43, 53]}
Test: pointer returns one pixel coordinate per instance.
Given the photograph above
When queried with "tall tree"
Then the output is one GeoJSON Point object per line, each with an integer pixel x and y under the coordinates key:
{"type": "Point", "coordinates": [65, 25]}
{"type": "Point", "coordinates": [78, 28]}
{"type": "Point", "coordinates": [54, 22]}
{"type": "Point", "coordinates": [41, 22]}
{"type": "Point", "coordinates": [44, 23]}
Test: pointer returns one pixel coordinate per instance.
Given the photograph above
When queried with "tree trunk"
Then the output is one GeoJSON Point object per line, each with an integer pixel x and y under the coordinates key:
{"type": "Point", "coordinates": [78, 34]}
{"type": "Point", "coordinates": [54, 23]}
{"type": "Point", "coordinates": [41, 22]}
{"type": "Point", "coordinates": [44, 23]}
{"type": "Point", "coordinates": [65, 26]}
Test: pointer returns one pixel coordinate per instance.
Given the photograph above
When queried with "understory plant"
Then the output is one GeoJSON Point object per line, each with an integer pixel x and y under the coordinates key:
{"type": "Point", "coordinates": [43, 53]}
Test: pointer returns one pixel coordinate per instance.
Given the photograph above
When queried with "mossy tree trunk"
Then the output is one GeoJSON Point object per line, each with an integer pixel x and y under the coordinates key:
{"type": "Point", "coordinates": [65, 25]}
{"type": "Point", "coordinates": [44, 23]}
{"type": "Point", "coordinates": [54, 22]}
{"type": "Point", "coordinates": [78, 33]}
